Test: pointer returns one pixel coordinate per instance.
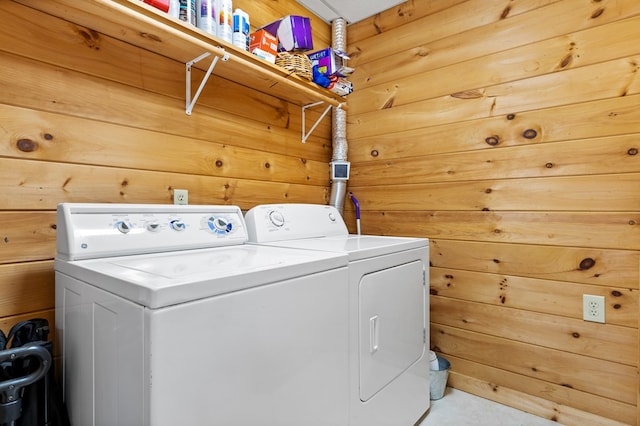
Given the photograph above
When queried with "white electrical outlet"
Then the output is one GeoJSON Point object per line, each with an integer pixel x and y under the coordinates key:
{"type": "Point", "coordinates": [180, 196]}
{"type": "Point", "coordinates": [593, 308]}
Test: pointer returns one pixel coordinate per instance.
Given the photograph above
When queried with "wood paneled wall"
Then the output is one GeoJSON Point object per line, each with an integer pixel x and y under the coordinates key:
{"type": "Point", "coordinates": [507, 132]}
{"type": "Point", "coordinates": [87, 118]}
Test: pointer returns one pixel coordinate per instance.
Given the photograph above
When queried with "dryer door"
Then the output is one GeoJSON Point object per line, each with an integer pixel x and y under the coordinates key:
{"type": "Point", "coordinates": [391, 324]}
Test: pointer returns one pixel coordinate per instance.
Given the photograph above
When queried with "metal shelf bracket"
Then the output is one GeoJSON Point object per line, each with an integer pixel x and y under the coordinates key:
{"type": "Point", "coordinates": [306, 135]}
{"type": "Point", "coordinates": [190, 103]}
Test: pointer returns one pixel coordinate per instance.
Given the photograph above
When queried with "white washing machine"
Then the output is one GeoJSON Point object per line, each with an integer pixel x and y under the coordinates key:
{"type": "Point", "coordinates": [388, 303]}
{"type": "Point", "coordinates": [166, 317]}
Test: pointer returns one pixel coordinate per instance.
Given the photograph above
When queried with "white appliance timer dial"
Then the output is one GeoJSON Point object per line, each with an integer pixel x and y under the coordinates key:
{"type": "Point", "coordinates": [123, 227]}
{"type": "Point", "coordinates": [219, 225]}
{"type": "Point", "coordinates": [276, 218]}
{"type": "Point", "coordinates": [177, 225]}
{"type": "Point", "coordinates": [153, 226]}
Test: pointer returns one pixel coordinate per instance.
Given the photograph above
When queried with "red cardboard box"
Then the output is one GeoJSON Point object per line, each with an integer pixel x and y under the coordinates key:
{"type": "Point", "coordinates": [264, 45]}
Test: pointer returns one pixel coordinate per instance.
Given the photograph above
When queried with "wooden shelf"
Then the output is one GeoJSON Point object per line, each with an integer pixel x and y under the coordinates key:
{"type": "Point", "coordinates": [141, 25]}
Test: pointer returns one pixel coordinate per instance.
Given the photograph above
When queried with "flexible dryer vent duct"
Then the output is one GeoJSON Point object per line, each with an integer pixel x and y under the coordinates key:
{"type": "Point", "coordinates": [339, 123]}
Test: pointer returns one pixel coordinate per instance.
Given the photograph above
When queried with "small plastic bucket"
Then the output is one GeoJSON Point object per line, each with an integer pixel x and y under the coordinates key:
{"type": "Point", "coordinates": [438, 379]}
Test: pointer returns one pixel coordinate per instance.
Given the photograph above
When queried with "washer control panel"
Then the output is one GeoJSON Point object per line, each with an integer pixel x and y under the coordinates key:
{"type": "Point", "coordinates": [278, 222]}
{"type": "Point", "coordinates": [101, 230]}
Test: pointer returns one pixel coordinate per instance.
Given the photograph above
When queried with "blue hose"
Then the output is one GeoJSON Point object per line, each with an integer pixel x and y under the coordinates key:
{"type": "Point", "coordinates": [355, 203]}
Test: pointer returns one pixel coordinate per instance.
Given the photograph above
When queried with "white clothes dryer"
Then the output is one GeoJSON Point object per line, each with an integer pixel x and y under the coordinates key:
{"type": "Point", "coordinates": [165, 316]}
{"type": "Point", "coordinates": [388, 307]}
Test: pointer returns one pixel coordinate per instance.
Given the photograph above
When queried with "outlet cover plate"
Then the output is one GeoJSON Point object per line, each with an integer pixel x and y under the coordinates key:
{"type": "Point", "coordinates": [593, 308]}
{"type": "Point", "coordinates": [180, 196]}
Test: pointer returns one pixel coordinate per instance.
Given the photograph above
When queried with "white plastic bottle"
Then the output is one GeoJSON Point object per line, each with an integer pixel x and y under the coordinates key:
{"type": "Point", "coordinates": [174, 9]}
{"type": "Point", "coordinates": [206, 16]}
{"type": "Point", "coordinates": [241, 29]}
{"type": "Point", "coordinates": [188, 11]}
{"type": "Point", "coordinates": [433, 361]}
{"type": "Point", "coordinates": [224, 10]}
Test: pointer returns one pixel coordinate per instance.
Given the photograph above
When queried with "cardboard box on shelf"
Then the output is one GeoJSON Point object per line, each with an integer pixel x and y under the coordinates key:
{"type": "Point", "coordinates": [331, 62]}
{"type": "Point", "coordinates": [293, 32]}
{"type": "Point", "coordinates": [341, 86]}
{"type": "Point", "coordinates": [264, 45]}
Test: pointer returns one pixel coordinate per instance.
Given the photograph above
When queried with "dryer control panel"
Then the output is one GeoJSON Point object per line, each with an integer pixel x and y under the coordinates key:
{"type": "Point", "coordinates": [88, 231]}
{"type": "Point", "coordinates": [278, 222]}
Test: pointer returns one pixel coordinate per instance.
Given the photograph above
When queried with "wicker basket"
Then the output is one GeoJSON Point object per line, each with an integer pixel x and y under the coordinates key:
{"type": "Point", "coordinates": [297, 63]}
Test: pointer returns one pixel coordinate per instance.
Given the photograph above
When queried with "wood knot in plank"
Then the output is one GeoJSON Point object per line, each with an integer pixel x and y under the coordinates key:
{"type": "Point", "coordinates": [91, 38]}
{"type": "Point", "coordinates": [468, 94]}
{"type": "Point", "coordinates": [406, 9]}
{"type": "Point", "coordinates": [27, 145]}
{"type": "Point", "coordinates": [150, 37]}
{"type": "Point", "coordinates": [505, 12]}
{"type": "Point", "coordinates": [587, 263]}
{"type": "Point", "coordinates": [422, 52]}
{"type": "Point", "coordinates": [492, 140]}
{"type": "Point", "coordinates": [566, 61]}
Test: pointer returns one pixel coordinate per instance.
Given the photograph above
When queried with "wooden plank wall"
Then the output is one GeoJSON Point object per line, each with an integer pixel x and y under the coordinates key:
{"type": "Point", "coordinates": [87, 118]}
{"type": "Point", "coordinates": [507, 131]}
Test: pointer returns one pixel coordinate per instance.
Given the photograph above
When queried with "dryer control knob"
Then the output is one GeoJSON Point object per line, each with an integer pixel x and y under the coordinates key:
{"type": "Point", "coordinates": [177, 225]}
{"type": "Point", "coordinates": [219, 225]}
{"type": "Point", "coordinates": [276, 218]}
{"type": "Point", "coordinates": [153, 226]}
{"type": "Point", "coordinates": [123, 227]}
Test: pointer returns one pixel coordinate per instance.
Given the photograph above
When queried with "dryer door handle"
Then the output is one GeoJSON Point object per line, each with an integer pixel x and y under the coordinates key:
{"type": "Point", "coordinates": [373, 334]}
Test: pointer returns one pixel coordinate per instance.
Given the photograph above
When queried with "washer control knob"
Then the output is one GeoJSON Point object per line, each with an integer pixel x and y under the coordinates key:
{"type": "Point", "coordinates": [276, 218]}
{"type": "Point", "coordinates": [332, 217]}
{"type": "Point", "coordinates": [123, 227]}
{"type": "Point", "coordinates": [153, 226]}
{"type": "Point", "coordinates": [177, 225]}
{"type": "Point", "coordinates": [219, 225]}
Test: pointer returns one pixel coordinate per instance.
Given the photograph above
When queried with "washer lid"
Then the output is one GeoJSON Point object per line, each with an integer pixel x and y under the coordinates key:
{"type": "Point", "coordinates": [357, 247]}
{"type": "Point", "coordinates": [163, 279]}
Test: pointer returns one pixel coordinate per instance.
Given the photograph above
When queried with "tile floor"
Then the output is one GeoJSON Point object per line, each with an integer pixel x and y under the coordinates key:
{"type": "Point", "coordinates": [458, 408]}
